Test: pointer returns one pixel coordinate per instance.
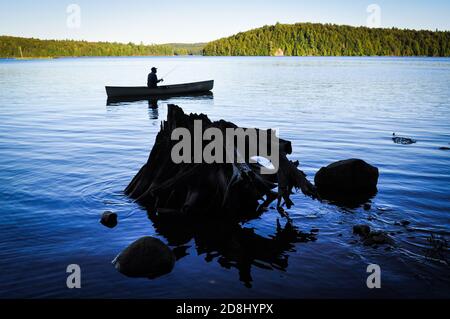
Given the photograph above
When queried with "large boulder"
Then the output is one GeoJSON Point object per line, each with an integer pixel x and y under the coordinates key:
{"type": "Point", "coordinates": [146, 257]}
{"type": "Point", "coordinates": [347, 181]}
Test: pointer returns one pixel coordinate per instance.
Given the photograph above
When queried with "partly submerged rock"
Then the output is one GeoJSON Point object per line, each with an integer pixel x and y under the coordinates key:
{"type": "Point", "coordinates": [405, 223]}
{"type": "Point", "coordinates": [351, 181]}
{"type": "Point", "coordinates": [146, 257]}
{"type": "Point", "coordinates": [402, 140]}
{"type": "Point", "coordinates": [371, 238]}
{"type": "Point", "coordinates": [109, 219]}
{"type": "Point", "coordinates": [378, 238]}
{"type": "Point", "coordinates": [362, 230]}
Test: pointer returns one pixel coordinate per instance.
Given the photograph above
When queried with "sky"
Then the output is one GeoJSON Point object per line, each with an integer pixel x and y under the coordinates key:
{"type": "Point", "coordinates": [167, 21]}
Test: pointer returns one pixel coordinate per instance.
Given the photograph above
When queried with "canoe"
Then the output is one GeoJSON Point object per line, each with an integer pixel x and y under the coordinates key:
{"type": "Point", "coordinates": [163, 90]}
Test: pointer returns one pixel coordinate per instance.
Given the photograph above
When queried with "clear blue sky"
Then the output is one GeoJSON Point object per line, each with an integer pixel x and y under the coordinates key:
{"type": "Point", "coordinates": [163, 21]}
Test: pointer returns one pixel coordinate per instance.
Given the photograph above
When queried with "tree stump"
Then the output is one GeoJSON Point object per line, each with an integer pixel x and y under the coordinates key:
{"type": "Point", "coordinates": [236, 191]}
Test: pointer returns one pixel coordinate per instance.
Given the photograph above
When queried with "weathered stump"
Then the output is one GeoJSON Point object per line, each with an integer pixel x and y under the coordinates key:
{"type": "Point", "coordinates": [233, 190]}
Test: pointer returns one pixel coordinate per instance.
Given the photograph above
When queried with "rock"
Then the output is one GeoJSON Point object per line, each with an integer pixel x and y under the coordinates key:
{"type": "Point", "coordinates": [109, 219]}
{"type": "Point", "coordinates": [362, 230]}
{"type": "Point", "coordinates": [146, 257]}
{"type": "Point", "coordinates": [402, 140]}
{"type": "Point", "coordinates": [371, 238]}
{"type": "Point", "coordinates": [444, 148]}
{"type": "Point", "coordinates": [315, 230]}
{"type": "Point", "coordinates": [367, 206]}
{"type": "Point", "coordinates": [377, 238]}
{"type": "Point", "coordinates": [405, 223]}
{"type": "Point", "coordinates": [351, 181]}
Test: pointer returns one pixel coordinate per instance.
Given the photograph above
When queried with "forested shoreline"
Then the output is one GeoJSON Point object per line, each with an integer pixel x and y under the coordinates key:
{"type": "Point", "coordinates": [301, 39]}
{"type": "Point", "coordinates": [16, 47]}
{"type": "Point", "coordinates": [310, 39]}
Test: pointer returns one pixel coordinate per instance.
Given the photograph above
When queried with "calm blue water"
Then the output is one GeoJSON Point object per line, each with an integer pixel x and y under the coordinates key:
{"type": "Point", "coordinates": [66, 157]}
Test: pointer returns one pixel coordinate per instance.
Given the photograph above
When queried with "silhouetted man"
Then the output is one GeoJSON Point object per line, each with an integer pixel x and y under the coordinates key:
{"type": "Point", "coordinates": [152, 79]}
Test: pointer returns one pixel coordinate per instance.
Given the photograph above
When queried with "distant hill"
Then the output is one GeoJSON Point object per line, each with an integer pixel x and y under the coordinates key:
{"type": "Point", "coordinates": [16, 47]}
{"type": "Point", "coordinates": [311, 39]}
{"type": "Point", "coordinates": [301, 39]}
{"type": "Point", "coordinates": [187, 48]}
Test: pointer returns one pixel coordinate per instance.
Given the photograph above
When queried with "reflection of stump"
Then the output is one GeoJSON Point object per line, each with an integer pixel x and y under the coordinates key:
{"type": "Point", "coordinates": [233, 190]}
{"type": "Point", "coordinates": [232, 245]}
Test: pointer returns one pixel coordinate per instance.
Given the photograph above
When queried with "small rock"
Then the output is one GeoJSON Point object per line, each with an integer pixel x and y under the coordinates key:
{"type": "Point", "coordinates": [367, 206]}
{"type": "Point", "coordinates": [378, 238]}
{"type": "Point", "coordinates": [371, 238]}
{"type": "Point", "coordinates": [109, 219]}
{"type": "Point", "coordinates": [146, 257]}
{"type": "Point", "coordinates": [444, 148]}
{"type": "Point", "coordinates": [402, 140]}
{"type": "Point", "coordinates": [362, 230]}
{"type": "Point", "coordinates": [315, 230]}
{"type": "Point", "coordinates": [405, 223]}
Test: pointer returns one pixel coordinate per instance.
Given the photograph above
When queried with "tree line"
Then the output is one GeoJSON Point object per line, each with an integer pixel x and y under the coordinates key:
{"type": "Point", "coordinates": [301, 39]}
{"type": "Point", "coordinates": [312, 39]}
{"type": "Point", "coordinates": [16, 47]}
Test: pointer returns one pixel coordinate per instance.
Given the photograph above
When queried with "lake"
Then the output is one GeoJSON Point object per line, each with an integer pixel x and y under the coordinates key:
{"type": "Point", "coordinates": [67, 156]}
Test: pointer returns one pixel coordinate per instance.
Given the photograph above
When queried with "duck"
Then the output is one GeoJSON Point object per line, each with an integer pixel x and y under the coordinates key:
{"type": "Point", "coordinates": [402, 140]}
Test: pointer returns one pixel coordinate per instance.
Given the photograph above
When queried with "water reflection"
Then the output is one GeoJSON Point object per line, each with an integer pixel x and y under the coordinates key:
{"type": "Point", "coordinates": [153, 101]}
{"type": "Point", "coordinates": [153, 111]}
{"type": "Point", "coordinates": [232, 245]}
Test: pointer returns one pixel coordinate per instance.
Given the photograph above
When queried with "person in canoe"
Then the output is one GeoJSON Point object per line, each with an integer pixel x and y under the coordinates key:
{"type": "Point", "coordinates": [152, 79]}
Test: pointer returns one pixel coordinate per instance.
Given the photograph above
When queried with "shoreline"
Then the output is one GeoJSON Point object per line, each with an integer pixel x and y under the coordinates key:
{"type": "Point", "coordinates": [221, 56]}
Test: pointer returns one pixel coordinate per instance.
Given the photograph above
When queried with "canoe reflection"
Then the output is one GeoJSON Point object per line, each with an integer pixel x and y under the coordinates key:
{"type": "Point", "coordinates": [232, 245]}
{"type": "Point", "coordinates": [153, 101]}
